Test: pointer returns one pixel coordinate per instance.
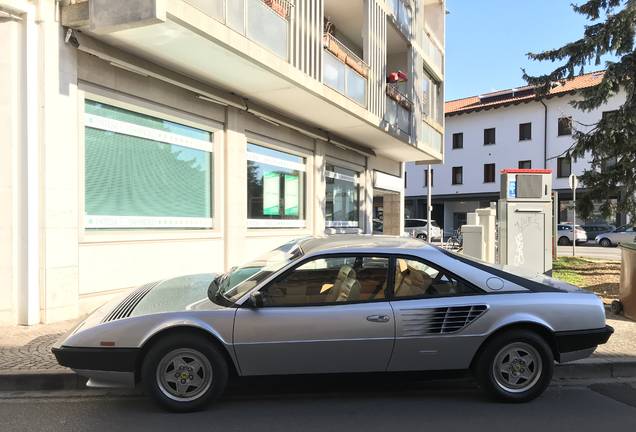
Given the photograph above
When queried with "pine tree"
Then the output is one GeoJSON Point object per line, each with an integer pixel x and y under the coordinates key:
{"type": "Point", "coordinates": [611, 142]}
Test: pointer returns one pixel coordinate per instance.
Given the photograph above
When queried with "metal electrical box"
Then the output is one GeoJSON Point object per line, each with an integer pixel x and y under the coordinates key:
{"type": "Point", "coordinates": [525, 219]}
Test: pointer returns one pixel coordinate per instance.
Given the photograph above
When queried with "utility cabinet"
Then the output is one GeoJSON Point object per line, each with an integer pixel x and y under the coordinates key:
{"type": "Point", "coordinates": [525, 220]}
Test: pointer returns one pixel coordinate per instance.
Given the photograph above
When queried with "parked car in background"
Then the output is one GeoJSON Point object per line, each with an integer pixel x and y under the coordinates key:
{"type": "Point", "coordinates": [339, 304]}
{"type": "Point", "coordinates": [625, 233]}
{"type": "Point", "coordinates": [418, 228]}
{"type": "Point", "coordinates": [594, 229]}
{"type": "Point", "coordinates": [565, 237]}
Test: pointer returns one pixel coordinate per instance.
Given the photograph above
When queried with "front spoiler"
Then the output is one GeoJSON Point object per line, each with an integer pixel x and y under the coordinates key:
{"type": "Point", "coordinates": [98, 359]}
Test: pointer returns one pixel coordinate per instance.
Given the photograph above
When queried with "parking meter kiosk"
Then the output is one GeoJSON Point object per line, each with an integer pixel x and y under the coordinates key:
{"type": "Point", "coordinates": [525, 219]}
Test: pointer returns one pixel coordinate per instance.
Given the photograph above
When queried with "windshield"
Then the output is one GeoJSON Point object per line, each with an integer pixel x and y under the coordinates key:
{"type": "Point", "coordinates": [239, 280]}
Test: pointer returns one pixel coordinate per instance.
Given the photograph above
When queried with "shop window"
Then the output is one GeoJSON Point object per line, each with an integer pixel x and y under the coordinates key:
{"type": "Point", "coordinates": [275, 188]}
{"type": "Point", "coordinates": [342, 197]}
{"type": "Point", "coordinates": [145, 172]}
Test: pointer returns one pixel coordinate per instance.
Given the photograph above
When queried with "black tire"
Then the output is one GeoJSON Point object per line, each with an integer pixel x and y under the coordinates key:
{"type": "Point", "coordinates": [421, 236]}
{"type": "Point", "coordinates": [189, 343]}
{"type": "Point", "coordinates": [564, 241]}
{"type": "Point", "coordinates": [616, 307]}
{"type": "Point", "coordinates": [605, 242]}
{"type": "Point", "coordinates": [491, 382]}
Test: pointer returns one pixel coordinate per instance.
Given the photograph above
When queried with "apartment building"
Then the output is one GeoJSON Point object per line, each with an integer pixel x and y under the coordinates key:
{"type": "Point", "coordinates": [143, 139]}
{"type": "Point", "coordinates": [504, 129]}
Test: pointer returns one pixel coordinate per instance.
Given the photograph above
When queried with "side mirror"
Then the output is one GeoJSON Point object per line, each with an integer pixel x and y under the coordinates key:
{"type": "Point", "coordinates": [256, 299]}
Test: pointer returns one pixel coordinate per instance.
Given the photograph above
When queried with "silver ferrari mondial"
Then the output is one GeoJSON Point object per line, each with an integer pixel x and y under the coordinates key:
{"type": "Point", "coordinates": [339, 304]}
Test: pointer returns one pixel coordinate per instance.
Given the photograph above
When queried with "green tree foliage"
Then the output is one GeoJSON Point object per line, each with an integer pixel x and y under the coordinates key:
{"type": "Point", "coordinates": [612, 141]}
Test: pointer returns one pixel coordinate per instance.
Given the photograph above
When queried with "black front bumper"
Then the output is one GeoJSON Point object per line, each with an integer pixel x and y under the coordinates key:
{"type": "Point", "coordinates": [569, 341]}
{"type": "Point", "coordinates": [100, 359]}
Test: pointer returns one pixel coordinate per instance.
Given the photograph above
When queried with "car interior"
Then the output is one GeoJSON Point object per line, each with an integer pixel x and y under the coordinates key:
{"type": "Point", "coordinates": [350, 279]}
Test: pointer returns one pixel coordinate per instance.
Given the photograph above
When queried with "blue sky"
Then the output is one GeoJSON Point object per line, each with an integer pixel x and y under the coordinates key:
{"type": "Point", "coordinates": [487, 41]}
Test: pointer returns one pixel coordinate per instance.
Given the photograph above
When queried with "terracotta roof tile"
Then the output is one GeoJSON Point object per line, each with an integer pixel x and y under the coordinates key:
{"type": "Point", "coordinates": [519, 95]}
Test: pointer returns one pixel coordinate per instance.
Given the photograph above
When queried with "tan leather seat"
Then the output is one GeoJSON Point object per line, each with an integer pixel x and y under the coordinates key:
{"type": "Point", "coordinates": [346, 287]}
{"type": "Point", "coordinates": [411, 282]}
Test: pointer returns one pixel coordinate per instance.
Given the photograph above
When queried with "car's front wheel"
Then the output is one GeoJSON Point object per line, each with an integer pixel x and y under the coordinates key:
{"type": "Point", "coordinates": [515, 366]}
{"type": "Point", "coordinates": [184, 372]}
{"type": "Point", "coordinates": [421, 237]}
{"type": "Point", "coordinates": [605, 242]}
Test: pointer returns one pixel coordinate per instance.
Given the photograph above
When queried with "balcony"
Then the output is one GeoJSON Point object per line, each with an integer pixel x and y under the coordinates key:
{"type": "Point", "coordinates": [266, 22]}
{"type": "Point", "coordinates": [398, 109]}
{"type": "Point", "coordinates": [432, 52]}
{"type": "Point", "coordinates": [343, 70]}
{"type": "Point", "coordinates": [402, 14]}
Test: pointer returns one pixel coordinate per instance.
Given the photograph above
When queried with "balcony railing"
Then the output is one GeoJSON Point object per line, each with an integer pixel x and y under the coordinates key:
{"type": "Point", "coordinates": [398, 109]}
{"type": "Point", "coordinates": [432, 51]}
{"type": "Point", "coordinates": [343, 70]}
{"type": "Point", "coordinates": [402, 13]}
{"type": "Point", "coordinates": [266, 22]}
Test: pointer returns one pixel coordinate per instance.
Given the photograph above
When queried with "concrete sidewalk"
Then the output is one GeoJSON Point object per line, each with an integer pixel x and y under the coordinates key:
{"type": "Point", "coordinates": [26, 361]}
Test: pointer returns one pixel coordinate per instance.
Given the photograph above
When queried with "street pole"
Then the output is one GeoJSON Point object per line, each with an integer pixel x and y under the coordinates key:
{"type": "Point", "coordinates": [574, 221]}
{"type": "Point", "coordinates": [428, 204]}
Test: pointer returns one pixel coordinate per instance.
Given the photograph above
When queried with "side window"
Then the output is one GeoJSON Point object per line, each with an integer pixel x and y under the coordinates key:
{"type": "Point", "coordinates": [330, 280]}
{"type": "Point", "coordinates": [414, 278]}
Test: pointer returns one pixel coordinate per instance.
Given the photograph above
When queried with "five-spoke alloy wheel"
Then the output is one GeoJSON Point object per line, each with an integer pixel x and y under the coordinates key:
{"type": "Point", "coordinates": [184, 372]}
{"type": "Point", "coordinates": [515, 366]}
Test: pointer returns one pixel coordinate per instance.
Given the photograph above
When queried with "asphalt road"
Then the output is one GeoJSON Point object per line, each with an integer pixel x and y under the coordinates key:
{"type": "Point", "coordinates": [609, 253]}
{"type": "Point", "coordinates": [449, 407]}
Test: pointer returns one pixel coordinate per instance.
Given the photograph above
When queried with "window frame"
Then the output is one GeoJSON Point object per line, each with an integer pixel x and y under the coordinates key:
{"type": "Point", "coordinates": [494, 136]}
{"type": "Point", "coordinates": [529, 137]}
{"type": "Point", "coordinates": [569, 131]}
{"type": "Point", "coordinates": [522, 161]}
{"type": "Point", "coordinates": [459, 143]}
{"type": "Point", "coordinates": [344, 177]}
{"type": "Point", "coordinates": [89, 93]}
{"type": "Point", "coordinates": [306, 259]}
{"type": "Point", "coordinates": [256, 223]}
{"type": "Point", "coordinates": [494, 172]}
{"type": "Point", "coordinates": [560, 170]}
{"type": "Point", "coordinates": [391, 296]}
{"type": "Point", "coordinates": [461, 168]}
{"type": "Point", "coordinates": [426, 177]}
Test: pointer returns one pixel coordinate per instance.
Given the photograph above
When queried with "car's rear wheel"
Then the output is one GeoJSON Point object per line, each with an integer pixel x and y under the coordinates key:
{"type": "Point", "coordinates": [564, 241]}
{"type": "Point", "coordinates": [605, 242]}
{"type": "Point", "coordinates": [515, 366]}
{"type": "Point", "coordinates": [184, 372]}
{"type": "Point", "coordinates": [421, 237]}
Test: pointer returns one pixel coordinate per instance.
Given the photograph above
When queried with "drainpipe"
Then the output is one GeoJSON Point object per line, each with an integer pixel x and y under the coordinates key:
{"type": "Point", "coordinates": [545, 134]}
{"type": "Point", "coordinates": [29, 286]}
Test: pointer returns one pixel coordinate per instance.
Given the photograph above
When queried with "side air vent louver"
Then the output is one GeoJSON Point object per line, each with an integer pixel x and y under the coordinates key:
{"type": "Point", "coordinates": [125, 308]}
{"type": "Point", "coordinates": [421, 322]}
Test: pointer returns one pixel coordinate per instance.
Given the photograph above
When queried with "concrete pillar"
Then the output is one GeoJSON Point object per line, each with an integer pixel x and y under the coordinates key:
{"type": "Point", "coordinates": [235, 206]}
{"type": "Point", "coordinates": [487, 219]}
{"type": "Point", "coordinates": [11, 71]}
{"type": "Point", "coordinates": [60, 150]}
{"type": "Point", "coordinates": [319, 188]}
{"type": "Point", "coordinates": [473, 241]}
{"type": "Point", "coordinates": [392, 203]}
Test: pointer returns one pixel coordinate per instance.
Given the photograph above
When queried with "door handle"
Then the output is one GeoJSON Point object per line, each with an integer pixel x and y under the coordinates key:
{"type": "Point", "coordinates": [378, 318]}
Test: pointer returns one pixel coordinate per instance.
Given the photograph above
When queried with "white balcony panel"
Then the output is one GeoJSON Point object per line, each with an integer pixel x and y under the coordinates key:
{"type": "Point", "coordinates": [267, 27]}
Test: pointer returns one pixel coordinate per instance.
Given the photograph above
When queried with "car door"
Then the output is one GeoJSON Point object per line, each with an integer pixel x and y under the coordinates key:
{"type": "Point", "coordinates": [433, 312]}
{"type": "Point", "coordinates": [627, 235]}
{"type": "Point", "coordinates": [327, 314]}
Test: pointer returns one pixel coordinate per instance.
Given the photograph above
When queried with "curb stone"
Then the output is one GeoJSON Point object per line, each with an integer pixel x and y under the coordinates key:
{"type": "Point", "coordinates": [39, 380]}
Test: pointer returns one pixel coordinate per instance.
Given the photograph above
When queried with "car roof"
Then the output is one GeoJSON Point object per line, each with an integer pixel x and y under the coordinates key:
{"type": "Point", "coordinates": [359, 242]}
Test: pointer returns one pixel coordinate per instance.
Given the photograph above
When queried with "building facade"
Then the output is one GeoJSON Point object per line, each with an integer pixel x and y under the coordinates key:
{"type": "Point", "coordinates": [505, 129]}
{"type": "Point", "coordinates": [143, 139]}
